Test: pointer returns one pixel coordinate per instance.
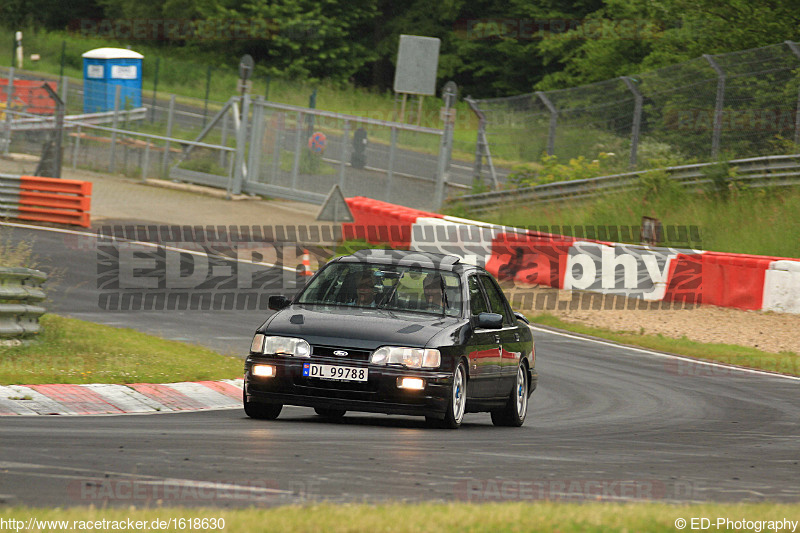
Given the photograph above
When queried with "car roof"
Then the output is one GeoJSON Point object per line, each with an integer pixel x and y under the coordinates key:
{"type": "Point", "coordinates": [446, 262]}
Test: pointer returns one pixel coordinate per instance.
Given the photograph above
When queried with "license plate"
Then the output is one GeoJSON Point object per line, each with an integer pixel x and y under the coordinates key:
{"type": "Point", "coordinates": [335, 372]}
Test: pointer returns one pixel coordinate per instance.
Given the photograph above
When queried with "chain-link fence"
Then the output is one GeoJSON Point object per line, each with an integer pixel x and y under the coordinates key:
{"type": "Point", "coordinates": [714, 107]}
{"type": "Point", "coordinates": [282, 150]}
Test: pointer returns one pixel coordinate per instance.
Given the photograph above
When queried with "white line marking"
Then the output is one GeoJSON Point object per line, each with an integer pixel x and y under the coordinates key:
{"type": "Point", "coordinates": [668, 356]}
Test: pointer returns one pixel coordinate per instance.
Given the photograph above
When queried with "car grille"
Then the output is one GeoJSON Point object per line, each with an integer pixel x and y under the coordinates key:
{"type": "Point", "coordinates": [352, 353]}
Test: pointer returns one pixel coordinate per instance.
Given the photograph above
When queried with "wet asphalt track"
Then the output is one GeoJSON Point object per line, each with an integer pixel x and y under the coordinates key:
{"type": "Point", "coordinates": [607, 421]}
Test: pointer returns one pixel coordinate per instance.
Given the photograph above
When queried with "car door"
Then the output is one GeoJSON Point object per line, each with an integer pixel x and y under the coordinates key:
{"type": "Point", "coordinates": [510, 337]}
{"type": "Point", "coordinates": [483, 346]}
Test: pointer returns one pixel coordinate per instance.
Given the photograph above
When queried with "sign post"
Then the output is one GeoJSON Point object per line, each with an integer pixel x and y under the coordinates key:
{"type": "Point", "coordinates": [417, 64]}
{"type": "Point", "coordinates": [335, 209]}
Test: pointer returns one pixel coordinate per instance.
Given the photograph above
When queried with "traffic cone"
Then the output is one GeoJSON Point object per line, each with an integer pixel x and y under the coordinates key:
{"type": "Point", "coordinates": [306, 264]}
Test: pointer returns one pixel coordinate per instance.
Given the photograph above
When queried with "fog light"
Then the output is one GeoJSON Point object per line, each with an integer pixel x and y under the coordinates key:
{"type": "Point", "coordinates": [263, 371]}
{"type": "Point", "coordinates": [411, 383]}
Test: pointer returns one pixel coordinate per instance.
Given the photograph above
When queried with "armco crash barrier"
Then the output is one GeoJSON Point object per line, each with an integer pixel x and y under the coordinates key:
{"type": "Point", "coordinates": [19, 293]}
{"type": "Point", "coordinates": [651, 273]}
{"type": "Point", "coordinates": [39, 199]}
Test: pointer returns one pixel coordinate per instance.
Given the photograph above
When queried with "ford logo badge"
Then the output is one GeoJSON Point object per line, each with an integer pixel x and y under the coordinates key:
{"type": "Point", "coordinates": [340, 353]}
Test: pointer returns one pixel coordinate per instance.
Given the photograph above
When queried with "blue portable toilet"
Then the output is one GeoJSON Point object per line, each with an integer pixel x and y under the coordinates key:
{"type": "Point", "coordinates": [106, 68]}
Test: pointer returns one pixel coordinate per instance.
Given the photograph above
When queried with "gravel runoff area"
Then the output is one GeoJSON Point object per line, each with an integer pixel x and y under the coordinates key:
{"type": "Point", "coordinates": [766, 331]}
{"type": "Point", "coordinates": [116, 198]}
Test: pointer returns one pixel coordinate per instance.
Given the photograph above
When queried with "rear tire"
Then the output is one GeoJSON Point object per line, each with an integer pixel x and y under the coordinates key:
{"type": "Point", "coordinates": [457, 404]}
{"type": "Point", "coordinates": [330, 414]}
{"type": "Point", "coordinates": [515, 410]}
{"type": "Point", "coordinates": [261, 411]}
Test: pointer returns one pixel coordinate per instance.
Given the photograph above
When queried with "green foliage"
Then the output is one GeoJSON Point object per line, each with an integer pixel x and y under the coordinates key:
{"type": "Point", "coordinates": [310, 162]}
{"type": "Point", "coordinates": [551, 170]}
{"type": "Point", "coordinates": [759, 221]}
{"type": "Point", "coordinates": [16, 254]}
{"type": "Point", "coordinates": [204, 164]}
{"type": "Point", "coordinates": [657, 184]}
{"type": "Point", "coordinates": [721, 178]}
{"type": "Point", "coordinates": [479, 186]}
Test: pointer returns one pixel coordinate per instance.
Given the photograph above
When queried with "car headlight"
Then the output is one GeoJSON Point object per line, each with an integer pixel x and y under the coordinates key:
{"type": "Point", "coordinates": [410, 357]}
{"type": "Point", "coordinates": [267, 344]}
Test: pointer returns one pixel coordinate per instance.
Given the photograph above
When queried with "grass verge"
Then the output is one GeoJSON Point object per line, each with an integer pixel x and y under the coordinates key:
{"type": "Point", "coordinates": [784, 362]}
{"type": "Point", "coordinates": [494, 517]}
{"type": "Point", "coordinates": [752, 221]}
{"type": "Point", "coordinates": [74, 351]}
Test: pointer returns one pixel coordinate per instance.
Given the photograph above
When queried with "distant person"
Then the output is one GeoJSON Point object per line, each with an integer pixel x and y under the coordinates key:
{"type": "Point", "coordinates": [365, 291]}
{"type": "Point", "coordinates": [432, 292]}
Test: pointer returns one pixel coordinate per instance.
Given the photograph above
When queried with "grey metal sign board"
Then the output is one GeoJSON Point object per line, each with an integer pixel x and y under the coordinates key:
{"type": "Point", "coordinates": [335, 208]}
{"type": "Point", "coordinates": [417, 63]}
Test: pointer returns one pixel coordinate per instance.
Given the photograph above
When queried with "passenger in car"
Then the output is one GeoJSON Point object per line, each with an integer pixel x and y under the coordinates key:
{"type": "Point", "coordinates": [365, 290]}
{"type": "Point", "coordinates": [432, 291]}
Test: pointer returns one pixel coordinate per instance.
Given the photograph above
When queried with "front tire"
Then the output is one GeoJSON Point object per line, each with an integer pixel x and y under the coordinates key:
{"type": "Point", "coordinates": [261, 411]}
{"type": "Point", "coordinates": [514, 412]}
{"type": "Point", "coordinates": [457, 404]}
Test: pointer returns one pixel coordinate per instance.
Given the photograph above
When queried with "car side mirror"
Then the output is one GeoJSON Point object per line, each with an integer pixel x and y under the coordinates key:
{"type": "Point", "coordinates": [278, 302]}
{"type": "Point", "coordinates": [490, 320]}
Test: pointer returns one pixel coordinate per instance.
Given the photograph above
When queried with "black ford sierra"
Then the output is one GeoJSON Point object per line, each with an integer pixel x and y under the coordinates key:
{"type": "Point", "coordinates": [394, 332]}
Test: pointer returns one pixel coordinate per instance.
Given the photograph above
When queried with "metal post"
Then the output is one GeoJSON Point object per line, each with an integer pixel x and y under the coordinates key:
{"type": "Point", "coordinates": [223, 154]}
{"type": "Point", "coordinates": [65, 91]}
{"type": "Point", "coordinates": [115, 123]}
{"type": "Point", "coordinates": [477, 167]}
{"type": "Point", "coordinates": [9, 101]}
{"type": "Point", "coordinates": [58, 132]}
{"type": "Point", "coordinates": [390, 170]}
{"type": "Point", "coordinates": [345, 152]}
{"type": "Point", "coordinates": [551, 133]}
{"type": "Point", "coordinates": [637, 118]}
{"type": "Point", "coordinates": [155, 87]}
{"type": "Point", "coordinates": [76, 147]}
{"type": "Point", "coordinates": [208, 89]}
{"type": "Point", "coordinates": [796, 51]}
{"type": "Point", "coordinates": [170, 117]}
{"type": "Point", "coordinates": [241, 145]}
{"type": "Point", "coordinates": [146, 163]}
{"type": "Point", "coordinates": [280, 118]}
{"type": "Point", "coordinates": [797, 121]}
{"type": "Point", "coordinates": [444, 147]}
{"type": "Point", "coordinates": [63, 58]}
{"type": "Point", "coordinates": [715, 139]}
{"type": "Point", "coordinates": [298, 146]}
{"type": "Point", "coordinates": [256, 135]}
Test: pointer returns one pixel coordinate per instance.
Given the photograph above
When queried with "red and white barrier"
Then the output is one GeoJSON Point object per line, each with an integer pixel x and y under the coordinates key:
{"type": "Point", "coordinates": [529, 257]}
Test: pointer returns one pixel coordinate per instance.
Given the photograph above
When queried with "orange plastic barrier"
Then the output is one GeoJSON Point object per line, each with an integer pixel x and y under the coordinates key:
{"type": "Point", "coordinates": [381, 222]}
{"type": "Point", "coordinates": [55, 200]}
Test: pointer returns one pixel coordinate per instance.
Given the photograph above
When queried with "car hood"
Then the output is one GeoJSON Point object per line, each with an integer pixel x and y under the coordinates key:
{"type": "Point", "coordinates": [361, 328]}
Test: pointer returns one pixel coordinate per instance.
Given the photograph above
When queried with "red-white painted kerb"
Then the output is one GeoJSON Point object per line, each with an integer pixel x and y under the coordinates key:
{"type": "Point", "coordinates": [107, 399]}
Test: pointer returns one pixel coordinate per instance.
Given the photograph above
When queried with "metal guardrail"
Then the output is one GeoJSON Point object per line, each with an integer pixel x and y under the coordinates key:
{"type": "Point", "coordinates": [20, 292]}
{"type": "Point", "coordinates": [34, 122]}
{"type": "Point", "coordinates": [768, 171]}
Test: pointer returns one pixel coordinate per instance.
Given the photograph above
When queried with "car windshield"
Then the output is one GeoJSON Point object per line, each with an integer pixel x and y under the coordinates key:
{"type": "Point", "coordinates": [398, 288]}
